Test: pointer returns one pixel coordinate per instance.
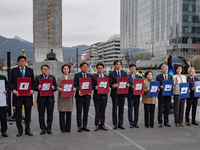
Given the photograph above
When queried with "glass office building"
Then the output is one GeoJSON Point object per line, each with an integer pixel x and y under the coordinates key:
{"type": "Point", "coordinates": [160, 27]}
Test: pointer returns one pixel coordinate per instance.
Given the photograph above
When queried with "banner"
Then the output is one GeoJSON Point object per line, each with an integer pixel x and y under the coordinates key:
{"type": "Point", "coordinates": [103, 85]}
{"type": "Point", "coordinates": [197, 90]}
{"type": "Point", "coordinates": [170, 68]}
{"type": "Point", "coordinates": [24, 86]}
{"type": "Point", "coordinates": [153, 88]}
{"type": "Point", "coordinates": [46, 87]}
{"type": "Point", "coordinates": [138, 87]}
{"type": "Point", "coordinates": [184, 90]}
{"type": "Point", "coordinates": [168, 87]}
{"type": "Point", "coordinates": [85, 85]}
{"type": "Point", "coordinates": [122, 85]}
{"type": "Point", "coordinates": [67, 88]}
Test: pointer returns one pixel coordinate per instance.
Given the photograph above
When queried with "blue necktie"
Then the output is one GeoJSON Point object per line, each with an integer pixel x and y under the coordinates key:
{"type": "Point", "coordinates": [22, 72]}
{"type": "Point", "coordinates": [118, 74]}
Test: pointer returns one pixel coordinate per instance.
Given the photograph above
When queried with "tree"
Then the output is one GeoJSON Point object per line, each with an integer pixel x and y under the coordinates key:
{"type": "Point", "coordinates": [2, 63]}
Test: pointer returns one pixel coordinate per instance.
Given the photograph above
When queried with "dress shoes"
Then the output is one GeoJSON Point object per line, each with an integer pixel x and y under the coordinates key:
{"type": "Point", "coordinates": [4, 134]}
{"type": "Point", "coordinates": [28, 133]}
{"type": "Point", "coordinates": [79, 130]}
{"type": "Point", "coordinates": [85, 129]}
{"type": "Point", "coordinates": [131, 126]}
{"type": "Point", "coordinates": [178, 125]}
{"type": "Point", "coordinates": [136, 126]}
{"type": "Point", "coordinates": [97, 128]}
{"type": "Point", "coordinates": [49, 131]}
{"type": "Point", "coordinates": [160, 125]}
{"type": "Point", "coordinates": [42, 132]}
{"type": "Point", "coordinates": [195, 123]}
{"type": "Point", "coordinates": [19, 134]}
{"type": "Point", "coordinates": [68, 131]}
{"type": "Point", "coordinates": [104, 128]}
{"type": "Point", "coordinates": [115, 128]}
{"type": "Point", "coordinates": [63, 131]}
{"type": "Point", "coordinates": [181, 125]}
{"type": "Point", "coordinates": [121, 127]}
{"type": "Point", "coordinates": [187, 124]}
{"type": "Point", "coordinates": [167, 125]}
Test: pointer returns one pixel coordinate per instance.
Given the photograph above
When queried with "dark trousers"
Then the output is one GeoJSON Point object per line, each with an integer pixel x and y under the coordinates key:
{"type": "Point", "coordinates": [100, 108]}
{"type": "Point", "coordinates": [149, 110]}
{"type": "Point", "coordinates": [65, 120]}
{"type": "Point", "coordinates": [82, 105]}
{"type": "Point", "coordinates": [178, 109]}
{"type": "Point", "coordinates": [191, 102]}
{"type": "Point", "coordinates": [133, 102]}
{"type": "Point", "coordinates": [118, 102]}
{"type": "Point", "coordinates": [3, 115]}
{"type": "Point", "coordinates": [163, 104]}
{"type": "Point", "coordinates": [41, 111]}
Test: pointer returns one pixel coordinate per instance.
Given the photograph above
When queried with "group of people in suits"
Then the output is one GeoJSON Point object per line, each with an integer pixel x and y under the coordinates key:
{"type": "Point", "coordinates": [65, 104]}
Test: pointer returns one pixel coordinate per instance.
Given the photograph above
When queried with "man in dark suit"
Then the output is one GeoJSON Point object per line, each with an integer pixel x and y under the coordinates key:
{"type": "Point", "coordinates": [100, 100]}
{"type": "Point", "coordinates": [3, 110]}
{"type": "Point", "coordinates": [117, 99]}
{"type": "Point", "coordinates": [192, 101]}
{"type": "Point", "coordinates": [45, 101]}
{"type": "Point", "coordinates": [82, 101]}
{"type": "Point", "coordinates": [22, 71]}
{"type": "Point", "coordinates": [163, 101]}
{"type": "Point", "coordinates": [133, 100]}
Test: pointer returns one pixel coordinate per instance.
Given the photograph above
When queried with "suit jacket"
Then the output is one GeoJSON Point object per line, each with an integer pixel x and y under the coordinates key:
{"type": "Point", "coordinates": [191, 85]}
{"type": "Point", "coordinates": [76, 85]}
{"type": "Point", "coordinates": [14, 75]}
{"type": "Point", "coordinates": [6, 82]}
{"type": "Point", "coordinates": [160, 78]}
{"type": "Point", "coordinates": [145, 98]}
{"type": "Point", "coordinates": [41, 99]}
{"type": "Point", "coordinates": [64, 103]}
{"type": "Point", "coordinates": [113, 80]}
{"type": "Point", "coordinates": [95, 95]}
{"type": "Point", "coordinates": [131, 82]}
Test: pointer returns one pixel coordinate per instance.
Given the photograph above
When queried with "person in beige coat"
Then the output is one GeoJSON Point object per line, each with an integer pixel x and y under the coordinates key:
{"type": "Point", "coordinates": [149, 102]}
{"type": "Point", "coordinates": [65, 104]}
{"type": "Point", "coordinates": [178, 103]}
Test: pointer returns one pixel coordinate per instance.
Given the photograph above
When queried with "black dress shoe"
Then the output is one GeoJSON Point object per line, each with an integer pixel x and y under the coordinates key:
{"type": "Point", "coordinates": [49, 131]}
{"type": "Point", "coordinates": [136, 126]}
{"type": "Point", "coordinates": [85, 129]}
{"type": "Point", "coordinates": [121, 127]}
{"type": "Point", "coordinates": [195, 123]}
{"type": "Point", "coordinates": [79, 130]}
{"type": "Point", "coordinates": [19, 134]}
{"type": "Point", "coordinates": [28, 133]}
{"type": "Point", "coordinates": [63, 131]}
{"type": "Point", "coordinates": [68, 131]}
{"type": "Point", "coordinates": [4, 135]}
{"type": "Point", "coordinates": [42, 132]}
{"type": "Point", "coordinates": [188, 124]}
{"type": "Point", "coordinates": [115, 128]}
{"type": "Point", "coordinates": [131, 126]}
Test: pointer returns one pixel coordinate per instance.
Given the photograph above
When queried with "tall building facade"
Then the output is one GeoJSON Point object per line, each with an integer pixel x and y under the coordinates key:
{"type": "Point", "coordinates": [160, 27]}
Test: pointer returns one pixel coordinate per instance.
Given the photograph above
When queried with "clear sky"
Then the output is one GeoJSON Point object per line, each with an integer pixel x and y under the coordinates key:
{"type": "Point", "coordinates": [84, 21]}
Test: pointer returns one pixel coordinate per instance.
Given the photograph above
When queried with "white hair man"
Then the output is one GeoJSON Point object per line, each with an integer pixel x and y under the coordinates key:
{"type": "Point", "coordinates": [192, 101]}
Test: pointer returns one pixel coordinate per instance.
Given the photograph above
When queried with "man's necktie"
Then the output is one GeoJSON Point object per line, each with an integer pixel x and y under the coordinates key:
{"type": "Point", "coordinates": [133, 76]}
{"type": "Point", "coordinates": [22, 72]}
{"type": "Point", "coordinates": [165, 77]}
{"type": "Point", "coordinates": [193, 79]}
{"type": "Point", "coordinates": [118, 74]}
{"type": "Point", "coordinates": [45, 77]}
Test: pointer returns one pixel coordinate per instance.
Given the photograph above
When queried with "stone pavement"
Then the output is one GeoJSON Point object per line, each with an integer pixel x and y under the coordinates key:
{"type": "Point", "coordinates": [156, 138]}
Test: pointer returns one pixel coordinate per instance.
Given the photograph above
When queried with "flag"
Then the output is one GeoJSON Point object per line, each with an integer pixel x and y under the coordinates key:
{"type": "Point", "coordinates": [171, 70]}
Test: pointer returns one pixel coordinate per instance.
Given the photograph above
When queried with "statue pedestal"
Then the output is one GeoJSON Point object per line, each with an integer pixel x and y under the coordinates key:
{"type": "Point", "coordinates": [55, 67]}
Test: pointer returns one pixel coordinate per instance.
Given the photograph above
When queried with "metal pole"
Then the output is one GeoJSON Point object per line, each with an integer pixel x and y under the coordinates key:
{"type": "Point", "coordinates": [8, 77]}
{"type": "Point", "coordinates": [77, 58]}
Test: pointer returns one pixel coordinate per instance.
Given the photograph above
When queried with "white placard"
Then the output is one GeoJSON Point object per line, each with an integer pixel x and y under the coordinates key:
{"type": "Point", "coordinates": [85, 85]}
{"type": "Point", "coordinates": [122, 85]}
{"type": "Point", "coordinates": [2, 95]}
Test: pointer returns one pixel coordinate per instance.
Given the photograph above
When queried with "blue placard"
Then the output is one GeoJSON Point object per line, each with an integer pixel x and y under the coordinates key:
{"type": "Point", "coordinates": [153, 88]}
{"type": "Point", "coordinates": [168, 87]}
{"type": "Point", "coordinates": [197, 90]}
{"type": "Point", "coordinates": [184, 90]}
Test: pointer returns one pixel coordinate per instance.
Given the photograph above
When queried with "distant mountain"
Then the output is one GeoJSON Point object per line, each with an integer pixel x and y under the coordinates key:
{"type": "Point", "coordinates": [16, 45]}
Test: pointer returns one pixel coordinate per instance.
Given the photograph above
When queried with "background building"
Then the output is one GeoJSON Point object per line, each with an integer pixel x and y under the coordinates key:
{"type": "Point", "coordinates": [160, 27]}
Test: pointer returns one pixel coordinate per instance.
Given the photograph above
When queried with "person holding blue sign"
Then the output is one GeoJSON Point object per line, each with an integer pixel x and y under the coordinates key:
{"type": "Point", "coordinates": [164, 101]}
{"type": "Point", "coordinates": [192, 101]}
{"type": "Point", "coordinates": [149, 102]}
{"type": "Point", "coordinates": [178, 103]}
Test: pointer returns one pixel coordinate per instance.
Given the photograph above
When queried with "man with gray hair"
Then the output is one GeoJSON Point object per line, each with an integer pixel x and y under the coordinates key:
{"type": "Point", "coordinates": [192, 101]}
{"type": "Point", "coordinates": [163, 101]}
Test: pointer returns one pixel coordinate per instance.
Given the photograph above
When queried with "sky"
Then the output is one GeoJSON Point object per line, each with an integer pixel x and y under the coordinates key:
{"type": "Point", "coordinates": [84, 21]}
